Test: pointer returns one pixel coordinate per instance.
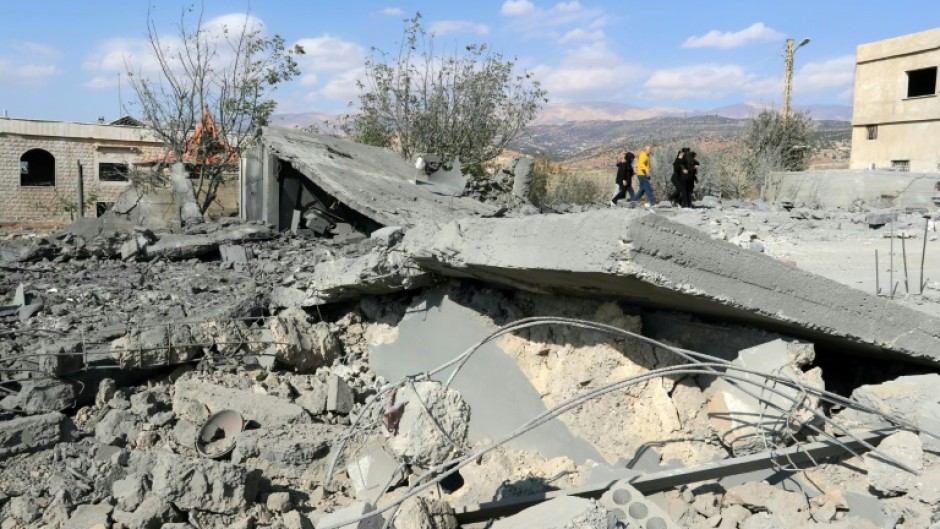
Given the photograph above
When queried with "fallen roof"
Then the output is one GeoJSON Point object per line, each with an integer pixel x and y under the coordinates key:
{"type": "Point", "coordinates": [653, 261]}
{"type": "Point", "coordinates": [373, 181]}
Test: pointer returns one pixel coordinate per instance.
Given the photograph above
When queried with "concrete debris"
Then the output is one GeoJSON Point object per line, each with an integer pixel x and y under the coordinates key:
{"type": "Point", "coordinates": [202, 484]}
{"type": "Point", "coordinates": [127, 332]}
{"type": "Point", "coordinates": [887, 478]}
{"type": "Point", "coordinates": [752, 417]}
{"type": "Point", "coordinates": [265, 410]}
{"type": "Point", "coordinates": [31, 433]}
{"type": "Point", "coordinates": [234, 253]}
{"type": "Point", "coordinates": [372, 470]}
{"type": "Point", "coordinates": [301, 343]}
{"type": "Point", "coordinates": [339, 397]}
{"type": "Point", "coordinates": [336, 519]}
{"type": "Point", "coordinates": [434, 424]}
{"type": "Point", "coordinates": [420, 512]}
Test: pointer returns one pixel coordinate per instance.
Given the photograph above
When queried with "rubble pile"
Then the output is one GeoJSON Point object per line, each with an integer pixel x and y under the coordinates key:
{"type": "Point", "coordinates": [686, 368]}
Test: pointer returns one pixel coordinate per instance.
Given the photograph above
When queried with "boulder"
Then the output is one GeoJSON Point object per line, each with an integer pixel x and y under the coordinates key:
{"type": "Point", "coordinates": [41, 397]}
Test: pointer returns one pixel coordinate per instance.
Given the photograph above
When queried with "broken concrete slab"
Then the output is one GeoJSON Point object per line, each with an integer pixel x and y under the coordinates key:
{"type": "Point", "coordinates": [41, 397]}
{"type": "Point", "coordinates": [379, 272]}
{"type": "Point", "coordinates": [266, 410]}
{"type": "Point", "coordinates": [31, 433]}
{"type": "Point", "coordinates": [374, 182]}
{"type": "Point", "coordinates": [912, 398]}
{"type": "Point", "coordinates": [234, 253]}
{"type": "Point", "coordinates": [552, 514]}
{"type": "Point", "coordinates": [887, 478]}
{"type": "Point", "coordinates": [288, 451]}
{"type": "Point", "coordinates": [521, 171]}
{"type": "Point", "coordinates": [436, 320]}
{"type": "Point", "coordinates": [659, 263]}
{"type": "Point", "coordinates": [202, 484]}
{"type": "Point", "coordinates": [180, 246]}
{"type": "Point", "coordinates": [421, 512]}
{"type": "Point", "coordinates": [287, 297]}
{"type": "Point", "coordinates": [372, 469]}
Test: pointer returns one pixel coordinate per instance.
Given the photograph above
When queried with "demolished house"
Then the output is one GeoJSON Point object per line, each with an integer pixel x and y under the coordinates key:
{"type": "Point", "coordinates": [359, 351]}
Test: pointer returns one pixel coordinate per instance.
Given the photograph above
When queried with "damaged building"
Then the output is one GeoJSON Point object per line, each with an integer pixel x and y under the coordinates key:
{"type": "Point", "coordinates": [364, 349]}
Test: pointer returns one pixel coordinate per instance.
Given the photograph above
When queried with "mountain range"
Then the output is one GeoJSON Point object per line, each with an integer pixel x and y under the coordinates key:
{"type": "Point", "coordinates": [560, 113]}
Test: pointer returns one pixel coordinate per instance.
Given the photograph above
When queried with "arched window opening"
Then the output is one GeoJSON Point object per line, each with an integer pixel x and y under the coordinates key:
{"type": "Point", "coordinates": [37, 168]}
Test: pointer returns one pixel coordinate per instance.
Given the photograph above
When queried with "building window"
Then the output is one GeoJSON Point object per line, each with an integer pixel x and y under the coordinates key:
{"type": "Point", "coordinates": [872, 132]}
{"type": "Point", "coordinates": [922, 82]}
{"type": "Point", "coordinates": [901, 165]}
{"type": "Point", "coordinates": [112, 172]}
{"type": "Point", "coordinates": [37, 168]}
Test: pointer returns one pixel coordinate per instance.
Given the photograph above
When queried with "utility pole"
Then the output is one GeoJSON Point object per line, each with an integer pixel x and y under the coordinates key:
{"type": "Point", "coordinates": [788, 79]}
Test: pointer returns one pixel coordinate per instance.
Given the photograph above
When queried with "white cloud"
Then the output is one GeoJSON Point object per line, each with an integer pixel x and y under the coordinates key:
{"type": "Point", "coordinates": [392, 12]}
{"type": "Point", "coordinates": [700, 81]}
{"type": "Point", "coordinates": [580, 34]}
{"type": "Point", "coordinates": [119, 55]}
{"type": "Point", "coordinates": [838, 73]}
{"type": "Point", "coordinates": [756, 32]}
{"type": "Point", "coordinates": [343, 87]}
{"type": "Point", "coordinates": [28, 63]}
{"type": "Point", "coordinates": [329, 54]}
{"type": "Point", "coordinates": [592, 71]}
{"type": "Point", "coordinates": [444, 27]}
{"type": "Point", "coordinates": [515, 8]}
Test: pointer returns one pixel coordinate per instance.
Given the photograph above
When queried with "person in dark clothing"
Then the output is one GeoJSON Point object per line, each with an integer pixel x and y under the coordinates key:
{"type": "Point", "coordinates": [624, 179]}
{"type": "Point", "coordinates": [692, 165]}
{"type": "Point", "coordinates": [680, 173]}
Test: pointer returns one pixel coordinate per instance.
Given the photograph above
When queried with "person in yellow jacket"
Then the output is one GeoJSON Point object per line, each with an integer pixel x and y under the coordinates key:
{"type": "Point", "coordinates": [643, 176]}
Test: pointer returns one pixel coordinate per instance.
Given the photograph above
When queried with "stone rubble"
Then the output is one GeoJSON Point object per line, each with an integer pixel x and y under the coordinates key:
{"type": "Point", "coordinates": [137, 335]}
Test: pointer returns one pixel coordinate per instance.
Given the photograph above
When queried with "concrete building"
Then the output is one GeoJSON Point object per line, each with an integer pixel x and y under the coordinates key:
{"type": "Point", "coordinates": [896, 119]}
{"type": "Point", "coordinates": [39, 166]}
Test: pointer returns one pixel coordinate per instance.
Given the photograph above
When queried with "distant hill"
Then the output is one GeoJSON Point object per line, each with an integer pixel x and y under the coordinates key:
{"type": "Point", "coordinates": [561, 112]}
{"type": "Point", "coordinates": [583, 138]}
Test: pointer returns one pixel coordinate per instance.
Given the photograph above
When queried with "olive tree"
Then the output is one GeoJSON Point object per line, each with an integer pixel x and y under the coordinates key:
{"type": "Point", "coordinates": [215, 79]}
{"type": "Point", "coordinates": [468, 102]}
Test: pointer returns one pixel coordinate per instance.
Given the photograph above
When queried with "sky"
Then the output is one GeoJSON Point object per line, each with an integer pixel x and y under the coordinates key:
{"type": "Point", "coordinates": [61, 60]}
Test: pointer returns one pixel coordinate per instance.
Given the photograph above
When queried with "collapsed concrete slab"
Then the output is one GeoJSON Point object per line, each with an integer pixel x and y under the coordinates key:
{"type": "Point", "coordinates": [29, 434]}
{"type": "Point", "coordinates": [349, 180]}
{"type": "Point", "coordinates": [654, 262]}
{"type": "Point", "coordinates": [266, 410]}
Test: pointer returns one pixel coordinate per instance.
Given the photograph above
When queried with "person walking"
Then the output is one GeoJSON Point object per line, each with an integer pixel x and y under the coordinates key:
{"type": "Point", "coordinates": [624, 179]}
{"type": "Point", "coordinates": [692, 179]}
{"type": "Point", "coordinates": [680, 174]}
{"type": "Point", "coordinates": [643, 177]}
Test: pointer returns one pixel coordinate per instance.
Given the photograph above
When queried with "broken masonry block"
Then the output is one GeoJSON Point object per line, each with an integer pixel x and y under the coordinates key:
{"type": "Point", "coordinates": [339, 396]}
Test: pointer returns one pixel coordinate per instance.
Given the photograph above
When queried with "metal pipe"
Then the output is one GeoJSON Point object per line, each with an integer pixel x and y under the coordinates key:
{"type": "Point", "coordinates": [923, 253]}
{"type": "Point", "coordinates": [877, 275]}
{"type": "Point", "coordinates": [907, 288]}
{"type": "Point", "coordinates": [891, 269]}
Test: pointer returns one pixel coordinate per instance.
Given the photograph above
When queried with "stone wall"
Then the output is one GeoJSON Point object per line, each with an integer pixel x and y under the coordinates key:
{"type": "Point", "coordinates": [58, 203]}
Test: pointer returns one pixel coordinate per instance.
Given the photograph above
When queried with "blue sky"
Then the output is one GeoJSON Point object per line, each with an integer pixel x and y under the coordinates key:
{"type": "Point", "coordinates": [61, 59]}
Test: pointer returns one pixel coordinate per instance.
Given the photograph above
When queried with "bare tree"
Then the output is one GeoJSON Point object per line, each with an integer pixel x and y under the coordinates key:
{"type": "Point", "coordinates": [470, 103]}
{"type": "Point", "coordinates": [211, 93]}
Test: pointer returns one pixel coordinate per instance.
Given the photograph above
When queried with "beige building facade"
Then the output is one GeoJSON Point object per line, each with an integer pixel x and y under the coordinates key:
{"type": "Point", "coordinates": [896, 116]}
{"type": "Point", "coordinates": [39, 166]}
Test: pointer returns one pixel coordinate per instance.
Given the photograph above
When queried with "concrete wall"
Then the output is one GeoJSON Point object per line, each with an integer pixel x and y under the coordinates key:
{"type": "Point", "coordinates": [907, 127]}
{"type": "Point", "coordinates": [840, 188]}
{"type": "Point", "coordinates": [70, 143]}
